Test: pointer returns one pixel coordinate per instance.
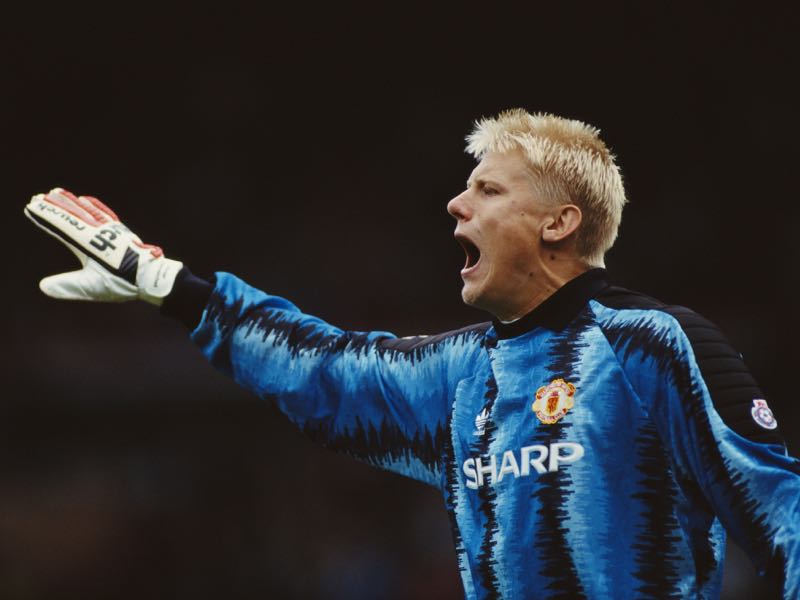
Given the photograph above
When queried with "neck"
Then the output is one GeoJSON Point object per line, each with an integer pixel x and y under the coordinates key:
{"type": "Point", "coordinates": [559, 309]}
{"type": "Point", "coordinates": [548, 278]}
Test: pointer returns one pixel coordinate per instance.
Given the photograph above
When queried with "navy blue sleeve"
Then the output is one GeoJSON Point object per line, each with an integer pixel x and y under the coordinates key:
{"type": "Point", "coordinates": [188, 298]}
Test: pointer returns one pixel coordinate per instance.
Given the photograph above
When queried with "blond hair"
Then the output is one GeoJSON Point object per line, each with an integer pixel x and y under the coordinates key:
{"type": "Point", "coordinates": [570, 164]}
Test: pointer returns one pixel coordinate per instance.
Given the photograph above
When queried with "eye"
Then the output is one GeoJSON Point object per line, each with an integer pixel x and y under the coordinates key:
{"type": "Point", "coordinates": [489, 190]}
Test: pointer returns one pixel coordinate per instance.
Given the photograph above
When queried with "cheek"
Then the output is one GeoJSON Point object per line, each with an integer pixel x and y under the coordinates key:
{"type": "Point", "coordinates": [519, 245]}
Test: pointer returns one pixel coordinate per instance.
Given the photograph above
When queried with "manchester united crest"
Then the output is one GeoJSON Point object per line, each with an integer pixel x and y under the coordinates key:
{"type": "Point", "coordinates": [553, 401]}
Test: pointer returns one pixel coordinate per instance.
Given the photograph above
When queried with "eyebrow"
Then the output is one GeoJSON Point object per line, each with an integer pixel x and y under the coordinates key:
{"type": "Point", "coordinates": [481, 180]}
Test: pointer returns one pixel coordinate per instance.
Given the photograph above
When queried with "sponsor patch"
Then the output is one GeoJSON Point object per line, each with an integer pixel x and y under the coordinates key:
{"type": "Point", "coordinates": [762, 414]}
{"type": "Point", "coordinates": [553, 401]}
{"type": "Point", "coordinates": [532, 460]}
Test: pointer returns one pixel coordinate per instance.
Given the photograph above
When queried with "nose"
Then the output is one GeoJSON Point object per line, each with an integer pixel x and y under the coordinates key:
{"type": "Point", "coordinates": [459, 208]}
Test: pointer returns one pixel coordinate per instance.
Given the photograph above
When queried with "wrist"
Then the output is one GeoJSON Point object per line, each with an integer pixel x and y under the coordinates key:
{"type": "Point", "coordinates": [188, 298]}
{"type": "Point", "coordinates": [156, 279]}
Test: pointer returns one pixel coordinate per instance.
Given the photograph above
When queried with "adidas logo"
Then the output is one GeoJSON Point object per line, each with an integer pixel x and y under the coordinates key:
{"type": "Point", "coordinates": [480, 422]}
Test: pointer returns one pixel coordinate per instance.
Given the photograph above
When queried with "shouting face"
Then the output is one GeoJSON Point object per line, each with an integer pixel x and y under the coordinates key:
{"type": "Point", "coordinates": [501, 221]}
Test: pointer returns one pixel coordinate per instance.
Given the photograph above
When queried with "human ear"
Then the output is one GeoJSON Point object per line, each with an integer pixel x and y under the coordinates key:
{"type": "Point", "coordinates": [564, 222]}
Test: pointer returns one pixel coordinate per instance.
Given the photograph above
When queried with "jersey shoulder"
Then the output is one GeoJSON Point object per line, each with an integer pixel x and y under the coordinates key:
{"type": "Point", "coordinates": [640, 322]}
{"type": "Point", "coordinates": [416, 344]}
{"type": "Point", "coordinates": [695, 326]}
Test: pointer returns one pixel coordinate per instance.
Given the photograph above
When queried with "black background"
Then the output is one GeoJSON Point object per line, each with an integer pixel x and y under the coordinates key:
{"type": "Point", "coordinates": [311, 150]}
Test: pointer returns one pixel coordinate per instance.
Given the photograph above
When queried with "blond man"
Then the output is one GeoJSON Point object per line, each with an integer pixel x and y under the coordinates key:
{"type": "Point", "coordinates": [589, 441]}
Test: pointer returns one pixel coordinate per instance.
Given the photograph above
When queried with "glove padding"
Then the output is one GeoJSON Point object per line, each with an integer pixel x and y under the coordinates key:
{"type": "Point", "coordinates": [117, 266]}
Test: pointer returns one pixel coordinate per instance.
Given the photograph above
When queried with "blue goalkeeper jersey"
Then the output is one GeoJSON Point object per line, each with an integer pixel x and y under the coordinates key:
{"type": "Point", "coordinates": [599, 447]}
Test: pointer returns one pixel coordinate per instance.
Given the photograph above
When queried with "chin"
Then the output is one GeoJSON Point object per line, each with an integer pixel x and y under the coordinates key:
{"type": "Point", "coordinates": [467, 295]}
{"type": "Point", "coordinates": [471, 296]}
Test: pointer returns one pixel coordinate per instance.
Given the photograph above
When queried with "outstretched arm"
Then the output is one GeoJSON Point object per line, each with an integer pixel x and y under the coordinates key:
{"type": "Point", "coordinates": [373, 396]}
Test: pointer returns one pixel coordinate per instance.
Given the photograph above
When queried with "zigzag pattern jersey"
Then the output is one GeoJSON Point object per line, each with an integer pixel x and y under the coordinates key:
{"type": "Point", "coordinates": [600, 447]}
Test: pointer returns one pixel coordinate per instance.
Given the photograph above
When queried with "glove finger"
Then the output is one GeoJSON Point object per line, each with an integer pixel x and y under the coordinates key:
{"type": "Point", "coordinates": [98, 206]}
{"type": "Point", "coordinates": [56, 213]}
{"type": "Point", "coordinates": [92, 282]}
{"type": "Point", "coordinates": [103, 213]}
{"type": "Point", "coordinates": [63, 239]}
{"type": "Point", "coordinates": [76, 285]}
{"type": "Point", "coordinates": [59, 218]}
{"type": "Point", "coordinates": [67, 201]}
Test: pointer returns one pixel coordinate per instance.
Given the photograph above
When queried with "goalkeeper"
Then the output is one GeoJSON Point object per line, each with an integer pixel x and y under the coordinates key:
{"type": "Point", "coordinates": [589, 441]}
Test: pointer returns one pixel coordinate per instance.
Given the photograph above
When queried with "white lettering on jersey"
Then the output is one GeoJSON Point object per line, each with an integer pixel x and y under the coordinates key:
{"type": "Point", "coordinates": [479, 470]}
{"type": "Point", "coordinates": [536, 463]}
{"type": "Point", "coordinates": [509, 465]}
{"type": "Point", "coordinates": [576, 453]}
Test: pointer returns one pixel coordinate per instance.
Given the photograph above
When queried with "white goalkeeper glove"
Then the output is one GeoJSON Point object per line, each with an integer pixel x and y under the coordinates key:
{"type": "Point", "coordinates": [117, 266]}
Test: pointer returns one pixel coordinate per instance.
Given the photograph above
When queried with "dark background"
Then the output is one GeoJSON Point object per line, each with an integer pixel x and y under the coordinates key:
{"type": "Point", "coordinates": [311, 150]}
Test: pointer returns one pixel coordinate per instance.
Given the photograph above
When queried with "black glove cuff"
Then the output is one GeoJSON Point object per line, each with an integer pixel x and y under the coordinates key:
{"type": "Point", "coordinates": [188, 298]}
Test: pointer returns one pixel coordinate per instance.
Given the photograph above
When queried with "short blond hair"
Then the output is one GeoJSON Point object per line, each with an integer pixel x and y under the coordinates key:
{"type": "Point", "coordinates": [570, 165]}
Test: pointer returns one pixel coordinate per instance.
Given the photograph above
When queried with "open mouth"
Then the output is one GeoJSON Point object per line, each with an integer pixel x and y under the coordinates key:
{"type": "Point", "coordinates": [471, 250]}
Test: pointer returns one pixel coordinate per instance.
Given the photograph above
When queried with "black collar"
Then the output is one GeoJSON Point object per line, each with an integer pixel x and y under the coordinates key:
{"type": "Point", "coordinates": [558, 310]}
